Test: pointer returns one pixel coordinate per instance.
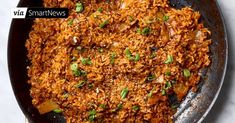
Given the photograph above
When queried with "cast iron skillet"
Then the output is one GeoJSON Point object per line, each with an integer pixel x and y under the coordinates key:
{"type": "Point", "coordinates": [193, 109]}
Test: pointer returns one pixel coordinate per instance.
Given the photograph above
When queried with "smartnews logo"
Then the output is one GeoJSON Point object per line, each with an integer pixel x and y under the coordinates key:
{"type": "Point", "coordinates": [23, 12]}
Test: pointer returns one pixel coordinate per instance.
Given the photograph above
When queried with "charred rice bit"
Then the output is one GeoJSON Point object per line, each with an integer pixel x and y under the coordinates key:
{"type": "Point", "coordinates": [111, 56]}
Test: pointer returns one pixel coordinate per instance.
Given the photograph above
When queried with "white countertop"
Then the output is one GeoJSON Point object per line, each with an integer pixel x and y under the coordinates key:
{"type": "Point", "coordinates": [222, 112]}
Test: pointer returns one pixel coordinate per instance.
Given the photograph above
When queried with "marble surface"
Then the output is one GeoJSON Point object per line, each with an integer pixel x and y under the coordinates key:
{"type": "Point", "coordinates": [222, 112]}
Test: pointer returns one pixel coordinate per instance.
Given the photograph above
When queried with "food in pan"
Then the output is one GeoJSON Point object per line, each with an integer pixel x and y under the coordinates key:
{"type": "Point", "coordinates": [116, 60]}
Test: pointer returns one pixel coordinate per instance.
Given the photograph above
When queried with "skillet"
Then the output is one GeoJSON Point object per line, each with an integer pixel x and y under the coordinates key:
{"type": "Point", "coordinates": [194, 107]}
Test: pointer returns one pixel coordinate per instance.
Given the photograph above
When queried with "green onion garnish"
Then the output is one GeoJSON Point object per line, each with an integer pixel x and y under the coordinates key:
{"type": "Point", "coordinates": [57, 111]}
{"type": "Point", "coordinates": [124, 93]}
{"type": "Point", "coordinates": [165, 18]}
{"type": "Point", "coordinates": [163, 92]}
{"type": "Point", "coordinates": [137, 57]}
{"type": "Point", "coordinates": [169, 59]}
{"type": "Point", "coordinates": [80, 84]}
{"type": "Point", "coordinates": [119, 106]}
{"type": "Point", "coordinates": [75, 70]}
{"type": "Point", "coordinates": [128, 53]}
{"type": "Point", "coordinates": [168, 73]}
{"type": "Point", "coordinates": [151, 77]}
{"type": "Point", "coordinates": [86, 61]}
{"type": "Point", "coordinates": [135, 107]}
{"type": "Point", "coordinates": [138, 30]}
{"type": "Point", "coordinates": [168, 85]}
{"type": "Point", "coordinates": [145, 31]}
{"type": "Point", "coordinates": [79, 7]}
{"type": "Point", "coordinates": [92, 114]}
{"type": "Point", "coordinates": [70, 22]}
{"type": "Point", "coordinates": [103, 24]}
{"type": "Point", "coordinates": [100, 50]}
{"type": "Point", "coordinates": [103, 106]}
{"type": "Point", "coordinates": [100, 9]}
{"type": "Point", "coordinates": [186, 73]}
{"type": "Point", "coordinates": [112, 58]}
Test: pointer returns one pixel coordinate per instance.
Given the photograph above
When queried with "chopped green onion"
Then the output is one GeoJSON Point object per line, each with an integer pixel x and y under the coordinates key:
{"type": "Point", "coordinates": [119, 106]}
{"type": "Point", "coordinates": [151, 77]}
{"type": "Point", "coordinates": [74, 66]}
{"type": "Point", "coordinates": [66, 95]}
{"type": "Point", "coordinates": [163, 92]}
{"type": "Point", "coordinates": [92, 114]}
{"type": "Point", "coordinates": [169, 59]}
{"type": "Point", "coordinates": [168, 85]}
{"type": "Point", "coordinates": [145, 31]}
{"type": "Point", "coordinates": [86, 61]}
{"type": "Point", "coordinates": [138, 30]}
{"type": "Point", "coordinates": [112, 58]}
{"type": "Point", "coordinates": [186, 73]}
{"type": "Point", "coordinates": [103, 24]}
{"type": "Point", "coordinates": [128, 54]}
{"type": "Point", "coordinates": [80, 84]}
{"type": "Point", "coordinates": [100, 9]}
{"type": "Point", "coordinates": [103, 106]}
{"type": "Point", "coordinates": [70, 22]}
{"type": "Point", "coordinates": [137, 57]}
{"type": "Point", "coordinates": [75, 70]}
{"type": "Point", "coordinates": [100, 50]}
{"type": "Point", "coordinates": [151, 92]}
{"type": "Point", "coordinates": [57, 111]}
{"type": "Point", "coordinates": [135, 107]}
{"type": "Point", "coordinates": [79, 7]}
{"type": "Point", "coordinates": [124, 93]}
{"type": "Point", "coordinates": [165, 18]}
{"type": "Point", "coordinates": [168, 73]}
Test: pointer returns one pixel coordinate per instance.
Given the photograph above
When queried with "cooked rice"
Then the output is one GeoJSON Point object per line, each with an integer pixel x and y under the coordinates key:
{"type": "Point", "coordinates": [148, 28]}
